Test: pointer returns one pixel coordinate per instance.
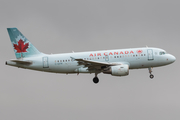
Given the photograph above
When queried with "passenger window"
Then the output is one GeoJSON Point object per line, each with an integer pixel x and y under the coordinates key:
{"type": "Point", "coordinates": [117, 56]}
{"type": "Point", "coordinates": [114, 56]}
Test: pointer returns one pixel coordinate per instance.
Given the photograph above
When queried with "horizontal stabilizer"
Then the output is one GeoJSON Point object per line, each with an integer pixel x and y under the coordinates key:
{"type": "Point", "coordinates": [18, 62]}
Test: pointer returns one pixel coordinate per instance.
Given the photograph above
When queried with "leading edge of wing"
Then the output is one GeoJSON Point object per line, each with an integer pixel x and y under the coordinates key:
{"type": "Point", "coordinates": [97, 63]}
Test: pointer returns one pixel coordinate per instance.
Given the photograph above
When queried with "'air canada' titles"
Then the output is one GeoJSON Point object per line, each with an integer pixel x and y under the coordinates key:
{"type": "Point", "coordinates": [115, 53]}
{"type": "Point", "coordinates": [111, 53]}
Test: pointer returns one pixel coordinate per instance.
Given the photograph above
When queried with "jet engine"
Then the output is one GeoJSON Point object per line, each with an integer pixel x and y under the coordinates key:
{"type": "Point", "coordinates": [119, 70]}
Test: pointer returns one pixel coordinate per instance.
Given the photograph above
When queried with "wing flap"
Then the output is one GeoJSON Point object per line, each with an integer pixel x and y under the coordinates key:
{"type": "Point", "coordinates": [94, 64]}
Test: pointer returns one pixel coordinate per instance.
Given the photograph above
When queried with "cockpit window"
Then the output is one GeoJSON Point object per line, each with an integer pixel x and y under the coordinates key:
{"type": "Point", "coordinates": [162, 53]}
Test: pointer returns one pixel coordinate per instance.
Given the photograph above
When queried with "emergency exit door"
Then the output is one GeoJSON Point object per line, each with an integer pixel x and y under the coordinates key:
{"type": "Point", "coordinates": [45, 62]}
{"type": "Point", "coordinates": [107, 58]}
{"type": "Point", "coordinates": [150, 54]}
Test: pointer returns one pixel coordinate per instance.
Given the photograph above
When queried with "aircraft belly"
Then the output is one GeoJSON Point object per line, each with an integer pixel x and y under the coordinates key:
{"type": "Point", "coordinates": [139, 63]}
{"type": "Point", "coordinates": [60, 68]}
{"type": "Point", "coordinates": [64, 67]}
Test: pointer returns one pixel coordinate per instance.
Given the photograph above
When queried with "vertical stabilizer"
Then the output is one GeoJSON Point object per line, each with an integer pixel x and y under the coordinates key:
{"type": "Point", "coordinates": [21, 45]}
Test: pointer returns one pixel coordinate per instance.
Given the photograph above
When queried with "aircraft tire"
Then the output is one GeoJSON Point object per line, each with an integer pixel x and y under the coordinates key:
{"type": "Point", "coordinates": [151, 76]}
{"type": "Point", "coordinates": [95, 80]}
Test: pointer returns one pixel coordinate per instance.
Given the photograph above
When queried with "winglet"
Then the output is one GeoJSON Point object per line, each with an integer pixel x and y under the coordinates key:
{"type": "Point", "coordinates": [73, 58]}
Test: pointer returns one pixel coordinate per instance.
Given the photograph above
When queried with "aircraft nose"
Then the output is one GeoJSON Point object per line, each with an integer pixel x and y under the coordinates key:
{"type": "Point", "coordinates": [172, 59]}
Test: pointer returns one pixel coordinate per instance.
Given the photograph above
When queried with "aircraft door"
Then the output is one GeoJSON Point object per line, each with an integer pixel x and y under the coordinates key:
{"type": "Point", "coordinates": [45, 62]}
{"type": "Point", "coordinates": [150, 54]}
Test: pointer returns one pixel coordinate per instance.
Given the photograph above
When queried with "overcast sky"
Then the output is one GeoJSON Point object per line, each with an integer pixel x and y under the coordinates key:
{"type": "Point", "coordinates": [60, 26]}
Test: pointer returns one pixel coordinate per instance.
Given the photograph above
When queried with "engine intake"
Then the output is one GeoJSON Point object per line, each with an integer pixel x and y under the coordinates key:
{"type": "Point", "coordinates": [120, 70]}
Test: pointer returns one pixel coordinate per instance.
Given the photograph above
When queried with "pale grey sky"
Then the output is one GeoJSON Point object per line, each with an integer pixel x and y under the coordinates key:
{"type": "Point", "coordinates": [60, 26]}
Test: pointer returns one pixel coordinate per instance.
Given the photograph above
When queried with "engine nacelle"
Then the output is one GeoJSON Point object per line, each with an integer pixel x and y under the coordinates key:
{"type": "Point", "coordinates": [119, 70]}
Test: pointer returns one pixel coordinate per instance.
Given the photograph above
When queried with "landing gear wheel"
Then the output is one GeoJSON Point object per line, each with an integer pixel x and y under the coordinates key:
{"type": "Point", "coordinates": [151, 76]}
{"type": "Point", "coordinates": [96, 80]}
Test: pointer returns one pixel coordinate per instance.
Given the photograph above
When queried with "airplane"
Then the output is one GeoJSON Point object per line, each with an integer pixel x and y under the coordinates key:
{"type": "Point", "coordinates": [116, 62]}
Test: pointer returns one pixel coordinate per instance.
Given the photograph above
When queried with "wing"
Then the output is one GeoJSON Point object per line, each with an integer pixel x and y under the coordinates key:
{"type": "Point", "coordinates": [91, 64]}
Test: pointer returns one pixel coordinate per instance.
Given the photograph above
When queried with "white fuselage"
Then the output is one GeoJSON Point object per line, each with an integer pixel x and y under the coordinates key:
{"type": "Point", "coordinates": [136, 58]}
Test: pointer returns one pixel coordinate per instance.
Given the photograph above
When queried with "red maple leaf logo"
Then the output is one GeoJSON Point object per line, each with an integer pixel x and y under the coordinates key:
{"type": "Point", "coordinates": [21, 47]}
{"type": "Point", "coordinates": [139, 51]}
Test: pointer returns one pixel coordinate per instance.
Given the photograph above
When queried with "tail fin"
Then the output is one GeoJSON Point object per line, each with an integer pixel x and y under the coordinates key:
{"type": "Point", "coordinates": [21, 45]}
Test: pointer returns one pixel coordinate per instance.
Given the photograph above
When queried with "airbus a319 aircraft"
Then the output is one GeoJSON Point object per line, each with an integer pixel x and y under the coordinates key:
{"type": "Point", "coordinates": [116, 62]}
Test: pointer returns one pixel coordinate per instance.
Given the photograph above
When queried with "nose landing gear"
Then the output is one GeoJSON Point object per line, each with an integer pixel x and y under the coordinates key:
{"type": "Point", "coordinates": [150, 71]}
{"type": "Point", "coordinates": [151, 76]}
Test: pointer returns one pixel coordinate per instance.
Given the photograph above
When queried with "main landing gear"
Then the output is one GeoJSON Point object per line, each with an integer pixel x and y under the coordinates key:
{"type": "Point", "coordinates": [96, 79]}
{"type": "Point", "coordinates": [150, 71]}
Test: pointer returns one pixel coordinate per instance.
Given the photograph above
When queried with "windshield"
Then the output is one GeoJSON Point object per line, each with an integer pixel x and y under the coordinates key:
{"type": "Point", "coordinates": [162, 53]}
